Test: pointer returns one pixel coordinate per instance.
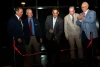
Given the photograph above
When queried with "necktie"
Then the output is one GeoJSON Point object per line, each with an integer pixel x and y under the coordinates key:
{"type": "Point", "coordinates": [84, 14]}
{"type": "Point", "coordinates": [30, 27]}
{"type": "Point", "coordinates": [72, 18]}
{"type": "Point", "coordinates": [19, 19]}
{"type": "Point", "coordinates": [21, 22]}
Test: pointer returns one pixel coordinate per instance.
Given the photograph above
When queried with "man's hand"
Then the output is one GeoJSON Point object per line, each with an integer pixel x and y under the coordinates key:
{"type": "Point", "coordinates": [51, 31]}
{"type": "Point", "coordinates": [80, 17]}
{"type": "Point", "coordinates": [41, 40]}
{"type": "Point", "coordinates": [19, 40]}
{"type": "Point", "coordinates": [55, 38]}
{"type": "Point", "coordinates": [66, 38]}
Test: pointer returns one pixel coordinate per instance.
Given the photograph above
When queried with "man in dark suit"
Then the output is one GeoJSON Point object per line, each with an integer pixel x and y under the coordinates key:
{"type": "Point", "coordinates": [15, 30]}
{"type": "Point", "coordinates": [32, 36]}
{"type": "Point", "coordinates": [54, 30]}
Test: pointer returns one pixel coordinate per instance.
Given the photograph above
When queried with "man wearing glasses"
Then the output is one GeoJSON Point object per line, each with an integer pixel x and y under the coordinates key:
{"type": "Point", "coordinates": [87, 21]}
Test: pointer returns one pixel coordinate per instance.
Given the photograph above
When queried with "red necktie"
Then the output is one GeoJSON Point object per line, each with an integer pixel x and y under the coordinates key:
{"type": "Point", "coordinates": [30, 27]}
{"type": "Point", "coordinates": [84, 14]}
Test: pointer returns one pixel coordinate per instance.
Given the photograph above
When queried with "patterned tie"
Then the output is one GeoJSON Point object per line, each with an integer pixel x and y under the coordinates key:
{"type": "Point", "coordinates": [30, 27]}
{"type": "Point", "coordinates": [21, 22]}
{"type": "Point", "coordinates": [72, 18]}
{"type": "Point", "coordinates": [84, 14]}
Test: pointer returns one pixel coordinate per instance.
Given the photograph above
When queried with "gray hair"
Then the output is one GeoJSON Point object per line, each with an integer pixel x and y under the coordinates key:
{"type": "Point", "coordinates": [86, 3]}
{"type": "Point", "coordinates": [71, 7]}
{"type": "Point", "coordinates": [28, 10]}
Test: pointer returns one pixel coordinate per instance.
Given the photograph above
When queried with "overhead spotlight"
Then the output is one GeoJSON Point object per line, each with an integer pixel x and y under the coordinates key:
{"type": "Point", "coordinates": [77, 7]}
{"type": "Point", "coordinates": [23, 3]}
{"type": "Point", "coordinates": [40, 8]}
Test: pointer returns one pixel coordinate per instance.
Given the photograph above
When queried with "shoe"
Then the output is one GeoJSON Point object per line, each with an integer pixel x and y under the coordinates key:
{"type": "Point", "coordinates": [72, 61]}
{"type": "Point", "coordinates": [81, 61]}
{"type": "Point", "coordinates": [48, 65]}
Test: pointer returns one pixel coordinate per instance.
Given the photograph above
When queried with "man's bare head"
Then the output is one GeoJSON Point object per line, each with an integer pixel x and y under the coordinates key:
{"type": "Point", "coordinates": [71, 10]}
{"type": "Point", "coordinates": [29, 13]}
{"type": "Point", "coordinates": [84, 6]}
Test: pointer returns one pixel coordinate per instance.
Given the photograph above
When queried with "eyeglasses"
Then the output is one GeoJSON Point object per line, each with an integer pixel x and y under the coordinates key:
{"type": "Point", "coordinates": [83, 7]}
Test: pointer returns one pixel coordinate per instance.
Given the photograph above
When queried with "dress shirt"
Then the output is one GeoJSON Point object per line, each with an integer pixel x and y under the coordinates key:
{"type": "Point", "coordinates": [33, 30]}
{"type": "Point", "coordinates": [54, 21]}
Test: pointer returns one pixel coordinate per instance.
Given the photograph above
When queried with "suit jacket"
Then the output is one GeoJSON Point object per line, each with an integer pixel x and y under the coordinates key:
{"type": "Point", "coordinates": [88, 23]}
{"type": "Point", "coordinates": [15, 28]}
{"type": "Point", "coordinates": [26, 30]}
{"type": "Point", "coordinates": [58, 28]}
{"type": "Point", "coordinates": [71, 29]}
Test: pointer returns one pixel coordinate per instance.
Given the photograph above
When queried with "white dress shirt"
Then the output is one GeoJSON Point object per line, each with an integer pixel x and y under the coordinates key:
{"type": "Point", "coordinates": [86, 12]}
{"type": "Point", "coordinates": [54, 21]}
{"type": "Point", "coordinates": [71, 16]}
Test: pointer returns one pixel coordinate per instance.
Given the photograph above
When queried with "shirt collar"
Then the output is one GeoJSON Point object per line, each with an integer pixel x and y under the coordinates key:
{"type": "Point", "coordinates": [29, 18]}
{"type": "Point", "coordinates": [86, 11]}
{"type": "Point", "coordinates": [54, 18]}
{"type": "Point", "coordinates": [17, 16]}
{"type": "Point", "coordinates": [71, 15]}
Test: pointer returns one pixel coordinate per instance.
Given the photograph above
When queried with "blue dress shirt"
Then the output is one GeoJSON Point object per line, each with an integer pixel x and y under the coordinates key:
{"type": "Point", "coordinates": [33, 30]}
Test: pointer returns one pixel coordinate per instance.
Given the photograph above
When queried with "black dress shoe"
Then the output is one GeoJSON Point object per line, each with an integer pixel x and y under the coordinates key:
{"type": "Point", "coordinates": [49, 65]}
{"type": "Point", "coordinates": [72, 61]}
{"type": "Point", "coordinates": [81, 61]}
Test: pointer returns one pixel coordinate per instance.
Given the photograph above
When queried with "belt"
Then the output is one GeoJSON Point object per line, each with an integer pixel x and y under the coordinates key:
{"type": "Point", "coordinates": [32, 35]}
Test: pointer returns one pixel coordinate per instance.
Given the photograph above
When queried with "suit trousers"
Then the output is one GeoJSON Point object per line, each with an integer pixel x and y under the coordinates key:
{"type": "Point", "coordinates": [72, 40]}
{"type": "Point", "coordinates": [19, 59]}
{"type": "Point", "coordinates": [53, 50]}
{"type": "Point", "coordinates": [33, 47]}
{"type": "Point", "coordinates": [90, 51]}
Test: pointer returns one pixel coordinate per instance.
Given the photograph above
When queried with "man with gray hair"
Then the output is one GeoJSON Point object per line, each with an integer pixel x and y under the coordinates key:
{"type": "Point", "coordinates": [72, 33]}
{"type": "Point", "coordinates": [87, 21]}
{"type": "Point", "coordinates": [32, 36]}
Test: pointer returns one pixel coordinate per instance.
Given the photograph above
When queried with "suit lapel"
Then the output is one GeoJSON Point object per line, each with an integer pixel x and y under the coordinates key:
{"type": "Point", "coordinates": [75, 18]}
{"type": "Point", "coordinates": [70, 18]}
{"type": "Point", "coordinates": [87, 13]}
{"type": "Point", "coordinates": [17, 19]}
{"type": "Point", "coordinates": [19, 22]}
{"type": "Point", "coordinates": [34, 21]}
{"type": "Point", "coordinates": [51, 22]}
{"type": "Point", "coordinates": [70, 21]}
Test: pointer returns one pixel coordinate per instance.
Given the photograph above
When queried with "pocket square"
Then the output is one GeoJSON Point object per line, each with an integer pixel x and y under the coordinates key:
{"type": "Point", "coordinates": [36, 24]}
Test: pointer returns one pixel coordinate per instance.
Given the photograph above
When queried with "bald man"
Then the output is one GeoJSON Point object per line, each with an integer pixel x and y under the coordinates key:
{"type": "Point", "coordinates": [87, 21]}
{"type": "Point", "coordinates": [72, 33]}
{"type": "Point", "coordinates": [32, 36]}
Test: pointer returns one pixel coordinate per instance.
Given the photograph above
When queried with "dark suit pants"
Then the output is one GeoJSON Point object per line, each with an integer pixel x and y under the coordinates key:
{"type": "Point", "coordinates": [53, 50]}
{"type": "Point", "coordinates": [19, 59]}
{"type": "Point", "coordinates": [90, 51]}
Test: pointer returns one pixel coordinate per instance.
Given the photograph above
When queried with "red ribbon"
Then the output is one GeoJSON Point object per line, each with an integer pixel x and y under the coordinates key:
{"type": "Point", "coordinates": [90, 43]}
{"type": "Point", "coordinates": [16, 49]}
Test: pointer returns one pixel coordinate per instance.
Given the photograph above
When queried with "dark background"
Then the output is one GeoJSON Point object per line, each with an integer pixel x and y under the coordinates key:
{"type": "Point", "coordinates": [7, 10]}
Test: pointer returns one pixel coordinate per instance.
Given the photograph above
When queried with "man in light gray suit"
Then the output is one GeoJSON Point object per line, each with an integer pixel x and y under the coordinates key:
{"type": "Point", "coordinates": [87, 22]}
{"type": "Point", "coordinates": [72, 33]}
